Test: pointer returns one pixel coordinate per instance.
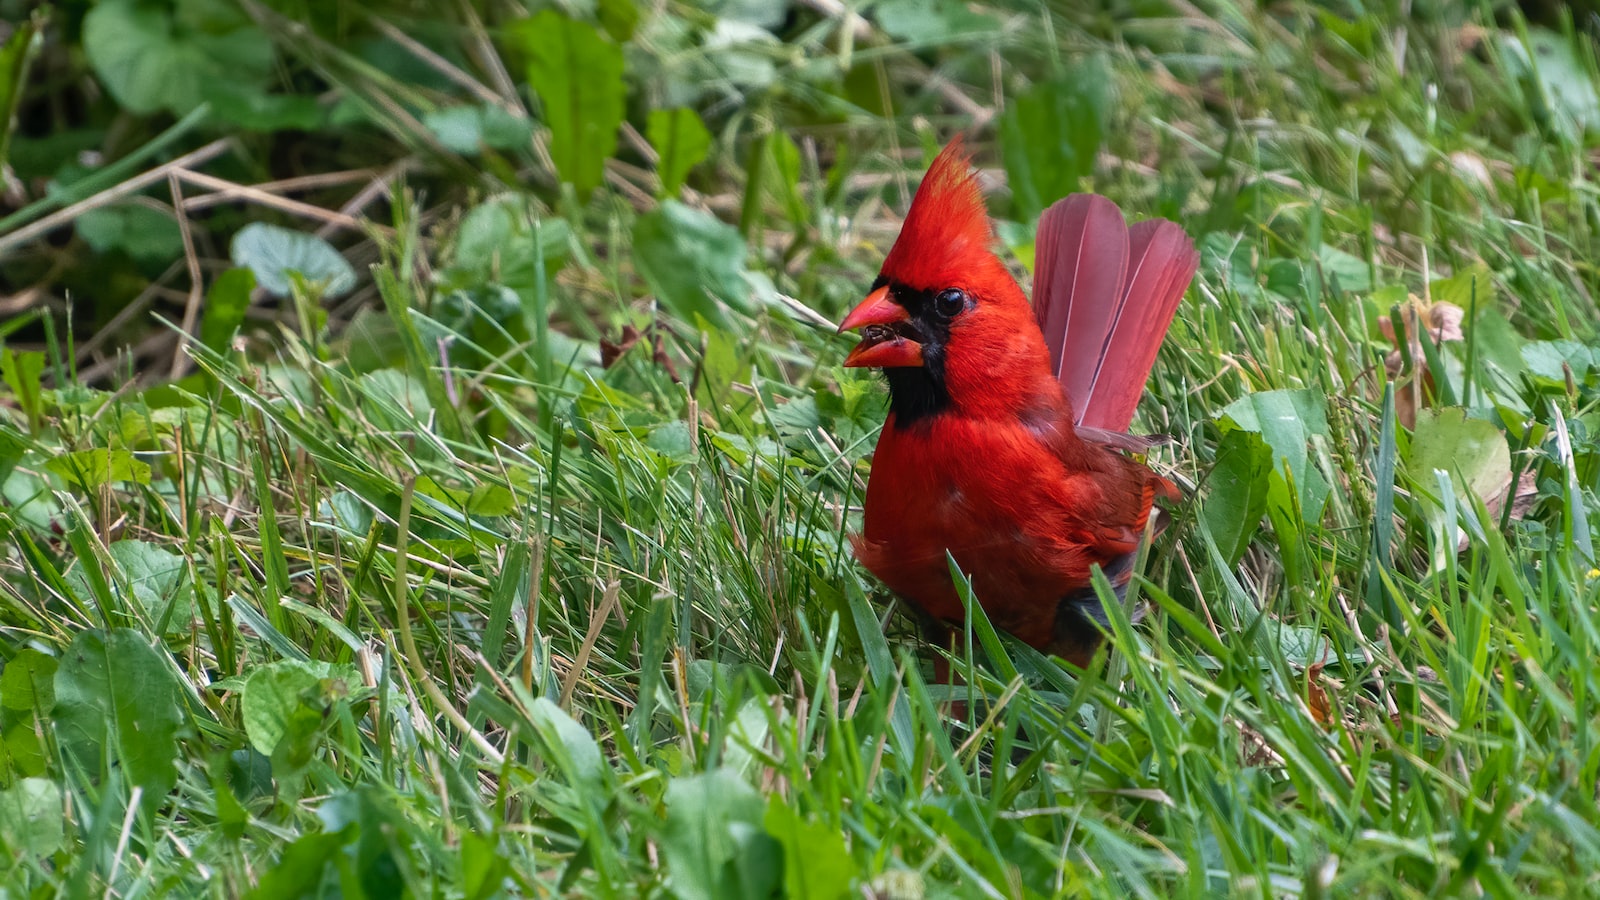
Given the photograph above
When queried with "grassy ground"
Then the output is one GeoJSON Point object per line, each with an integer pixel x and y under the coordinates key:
{"type": "Point", "coordinates": [513, 560]}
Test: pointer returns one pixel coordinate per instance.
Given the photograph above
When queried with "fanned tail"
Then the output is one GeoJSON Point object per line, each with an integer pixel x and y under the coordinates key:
{"type": "Point", "coordinates": [1104, 295]}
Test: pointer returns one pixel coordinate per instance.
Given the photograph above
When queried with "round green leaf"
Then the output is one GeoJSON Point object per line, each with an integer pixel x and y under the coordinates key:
{"type": "Point", "coordinates": [150, 61]}
{"type": "Point", "coordinates": [287, 699]}
{"type": "Point", "coordinates": [691, 259]}
{"type": "Point", "coordinates": [272, 253]}
{"type": "Point", "coordinates": [148, 235]}
{"type": "Point", "coordinates": [31, 817]}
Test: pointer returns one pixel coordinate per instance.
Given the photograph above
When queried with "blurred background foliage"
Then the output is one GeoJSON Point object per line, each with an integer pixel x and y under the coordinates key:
{"type": "Point", "coordinates": [431, 412]}
{"type": "Point", "coordinates": [708, 127]}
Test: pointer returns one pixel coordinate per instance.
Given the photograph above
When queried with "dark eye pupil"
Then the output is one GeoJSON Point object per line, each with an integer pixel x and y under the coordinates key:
{"type": "Point", "coordinates": [949, 302]}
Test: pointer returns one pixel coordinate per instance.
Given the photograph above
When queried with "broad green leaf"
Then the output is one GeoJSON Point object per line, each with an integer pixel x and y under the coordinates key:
{"type": "Point", "coordinates": [816, 863]}
{"type": "Point", "coordinates": [157, 577]}
{"type": "Point", "coordinates": [796, 418]}
{"type": "Point", "coordinates": [932, 21]}
{"type": "Point", "coordinates": [692, 260]}
{"type": "Point", "coordinates": [719, 367]}
{"type": "Point", "coordinates": [23, 371]}
{"type": "Point", "coordinates": [253, 109]}
{"type": "Point", "coordinates": [1352, 272]}
{"type": "Point", "coordinates": [302, 869]}
{"type": "Point", "coordinates": [287, 699]}
{"type": "Point", "coordinates": [367, 819]}
{"type": "Point", "coordinates": [1498, 348]}
{"type": "Point", "coordinates": [1452, 453]}
{"type": "Point", "coordinates": [714, 844]}
{"type": "Point", "coordinates": [1551, 360]}
{"type": "Point", "coordinates": [618, 17]}
{"type": "Point", "coordinates": [577, 74]}
{"type": "Point", "coordinates": [1287, 420]}
{"type": "Point", "coordinates": [1049, 136]}
{"type": "Point", "coordinates": [1551, 67]}
{"type": "Point", "coordinates": [16, 56]}
{"type": "Point", "coordinates": [483, 866]}
{"type": "Point", "coordinates": [150, 60]}
{"type": "Point", "coordinates": [347, 512]}
{"type": "Point", "coordinates": [226, 304]}
{"type": "Point", "coordinates": [117, 701]}
{"type": "Point", "coordinates": [232, 817]}
{"type": "Point", "coordinates": [454, 497]}
{"type": "Point", "coordinates": [681, 141]}
{"type": "Point", "coordinates": [28, 682]}
{"type": "Point", "coordinates": [468, 129]}
{"type": "Point", "coordinates": [22, 751]}
{"type": "Point", "coordinates": [1473, 452]}
{"type": "Point", "coordinates": [32, 817]}
{"type": "Point", "coordinates": [489, 499]}
{"type": "Point", "coordinates": [271, 253]}
{"type": "Point", "coordinates": [1236, 498]}
{"type": "Point", "coordinates": [12, 447]}
{"type": "Point", "coordinates": [89, 469]}
{"type": "Point", "coordinates": [672, 440]}
{"type": "Point", "coordinates": [1474, 283]}
{"type": "Point", "coordinates": [575, 750]}
{"type": "Point", "coordinates": [494, 246]}
{"type": "Point", "coordinates": [394, 399]}
{"type": "Point", "coordinates": [148, 235]}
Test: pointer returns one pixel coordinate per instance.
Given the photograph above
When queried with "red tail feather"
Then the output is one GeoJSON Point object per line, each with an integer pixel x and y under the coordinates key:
{"type": "Point", "coordinates": [1104, 294]}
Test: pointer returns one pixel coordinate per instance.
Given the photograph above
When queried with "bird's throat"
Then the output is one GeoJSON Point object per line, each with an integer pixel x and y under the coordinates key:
{"type": "Point", "coordinates": [916, 393]}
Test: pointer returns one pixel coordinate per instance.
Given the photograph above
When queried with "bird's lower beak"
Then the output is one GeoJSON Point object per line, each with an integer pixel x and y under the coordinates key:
{"type": "Point", "coordinates": [882, 346]}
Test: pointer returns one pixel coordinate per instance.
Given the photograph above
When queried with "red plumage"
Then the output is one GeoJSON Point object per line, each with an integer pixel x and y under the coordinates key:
{"type": "Point", "coordinates": [982, 454]}
{"type": "Point", "coordinates": [1128, 282]}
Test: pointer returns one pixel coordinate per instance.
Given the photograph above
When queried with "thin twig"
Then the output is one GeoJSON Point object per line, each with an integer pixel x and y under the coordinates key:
{"type": "Point", "coordinates": [284, 204]}
{"type": "Point", "coordinates": [282, 186]}
{"type": "Point", "coordinates": [445, 67]}
{"type": "Point", "coordinates": [379, 186]}
{"type": "Point", "coordinates": [805, 312]}
{"type": "Point", "coordinates": [482, 49]}
{"type": "Point", "coordinates": [639, 144]}
{"type": "Point", "coordinates": [581, 661]}
{"type": "Point", "coordinates": [111, 195]}
{"type": "Point", "coordinates": [191, 308]}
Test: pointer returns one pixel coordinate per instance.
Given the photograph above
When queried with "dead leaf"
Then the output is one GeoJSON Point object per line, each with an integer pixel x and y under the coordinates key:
{"type": "Point", "coordinates": [610, 351]}
{"type": "Point", "coordinates": [1317, 697]}
{"type": "Point", "coordinates": [1472, 167]}
{"type": "Point", "coordinates": [1443, 321]}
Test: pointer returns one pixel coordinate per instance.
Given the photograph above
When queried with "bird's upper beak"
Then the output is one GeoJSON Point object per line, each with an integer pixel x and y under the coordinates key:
{"type": "Point", "coordinates": [883, 343]}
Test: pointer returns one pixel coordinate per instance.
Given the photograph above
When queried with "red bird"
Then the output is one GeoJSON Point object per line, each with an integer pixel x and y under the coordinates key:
{"type": "Point", "coordinates": [1006, 425]}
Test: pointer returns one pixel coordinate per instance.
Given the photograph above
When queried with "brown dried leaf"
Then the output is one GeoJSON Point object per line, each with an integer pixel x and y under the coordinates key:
{"type": "Point", "coordinates": [610, 351]}
{"type": "Point", "coordinates": [1317, 697]}
{"type": "Point", "coordinates": [1443, 321]}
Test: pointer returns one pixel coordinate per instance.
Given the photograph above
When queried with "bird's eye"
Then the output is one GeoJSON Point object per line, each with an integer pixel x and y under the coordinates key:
{"type": "Point", "coordinates": [949, 302]}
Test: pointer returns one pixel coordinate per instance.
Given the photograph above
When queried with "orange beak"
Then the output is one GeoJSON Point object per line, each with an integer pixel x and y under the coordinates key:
{"type": "Point", "coordinates": [881, 347]}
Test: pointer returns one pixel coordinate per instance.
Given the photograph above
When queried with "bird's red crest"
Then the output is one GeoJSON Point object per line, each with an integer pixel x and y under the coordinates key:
{"type": "Point", "coordinates": [946, 234]}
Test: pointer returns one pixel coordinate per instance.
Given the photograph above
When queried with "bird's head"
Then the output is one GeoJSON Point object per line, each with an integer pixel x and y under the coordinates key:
{"type": "Point", "coordinates": [945, 320]}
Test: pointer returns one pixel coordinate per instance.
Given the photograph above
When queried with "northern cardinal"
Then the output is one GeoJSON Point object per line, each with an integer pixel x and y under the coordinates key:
{"type": "Point", "coordinates": [1005, 442]}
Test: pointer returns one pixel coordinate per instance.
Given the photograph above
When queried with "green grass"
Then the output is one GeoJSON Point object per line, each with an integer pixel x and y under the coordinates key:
{"type": "Point", "coordinates": [406, 593]}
